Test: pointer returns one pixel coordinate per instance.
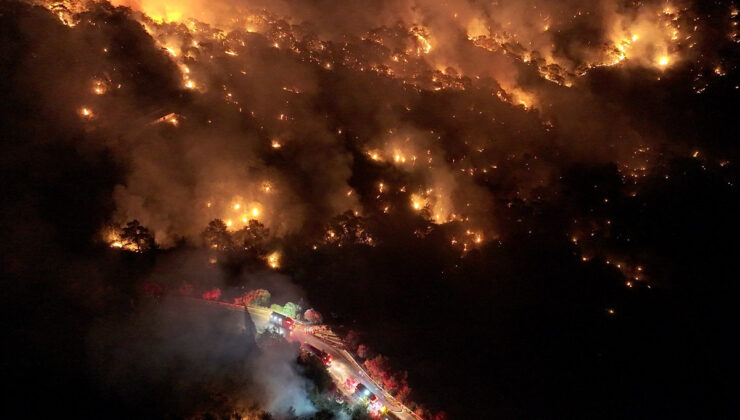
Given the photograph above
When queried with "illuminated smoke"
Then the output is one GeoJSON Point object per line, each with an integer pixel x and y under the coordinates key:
{"type": "Point", "coordinates": [272, 112]}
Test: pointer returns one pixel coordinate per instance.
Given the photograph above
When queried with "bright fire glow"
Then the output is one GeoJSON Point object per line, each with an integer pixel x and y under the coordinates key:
{"type": "Point", "coordinates": [273, 260]}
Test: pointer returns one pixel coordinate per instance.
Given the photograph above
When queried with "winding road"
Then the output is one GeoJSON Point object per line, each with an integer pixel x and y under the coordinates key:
{"type": "Point", "coordinates": [343, 365]}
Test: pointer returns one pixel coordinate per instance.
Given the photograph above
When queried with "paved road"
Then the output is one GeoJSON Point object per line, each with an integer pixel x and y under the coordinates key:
{"type": "Point", "coordinates": [343, 365]}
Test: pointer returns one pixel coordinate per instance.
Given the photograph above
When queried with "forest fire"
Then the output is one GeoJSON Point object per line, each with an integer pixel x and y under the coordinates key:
{"type": "Point", "coordinates": [273, 260]}
{"type": "Point", "coordinates": [552, 182]}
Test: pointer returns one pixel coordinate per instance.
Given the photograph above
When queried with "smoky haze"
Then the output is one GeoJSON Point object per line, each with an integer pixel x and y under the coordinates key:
{"type": "Point", "coordinates": [263, 118]}
{"type": "Point", "coordinates": [530, 161]}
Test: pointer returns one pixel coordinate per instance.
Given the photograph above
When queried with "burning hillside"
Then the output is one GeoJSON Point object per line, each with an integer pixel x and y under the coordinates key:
{"type": "Point", "coordinates": [381, 155]}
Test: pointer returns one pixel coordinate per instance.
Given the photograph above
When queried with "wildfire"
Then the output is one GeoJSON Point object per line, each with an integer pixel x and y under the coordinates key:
{"type": "Point", "coordinates": [421, 36]}
{"type": "Point", "coordinates": [273, 260]}
{"type": "Point", "coordinates": [114, 240]}
{"type": "Point", "coordinates": [161, 12]}
{"type": "Point", "coordinates": [418, 202]}
{"type": "Point", "coordinates": [648, 39]}
{"type": "Point", "coordinates": [374, 155]}
{"type": "Point", "coordinates": [98, 87]}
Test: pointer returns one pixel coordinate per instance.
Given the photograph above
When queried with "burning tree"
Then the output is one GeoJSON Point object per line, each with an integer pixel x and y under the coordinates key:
{"type": "Point", "coordinates": [217, 236]}
{"type": "Point", "coordinates": [245, 247]}
{"type": "Point", "coordinates": [136, 237]}
{"type": "Point", "coordinates": [347, 228]}
{"type": "Point", "coordinates": [252, 238]}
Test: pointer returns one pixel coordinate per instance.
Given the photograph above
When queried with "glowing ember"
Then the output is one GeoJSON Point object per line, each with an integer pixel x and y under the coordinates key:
{"type": "Point", "coordinates": [98, 87]}
{"type": "Point", "coordinates": [426, 46]}
{"type": "Point", "coordinates": [273, 260]}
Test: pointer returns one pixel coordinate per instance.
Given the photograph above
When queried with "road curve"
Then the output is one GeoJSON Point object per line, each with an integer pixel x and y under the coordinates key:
{"type": "Point", "coordinates": [343, 364]}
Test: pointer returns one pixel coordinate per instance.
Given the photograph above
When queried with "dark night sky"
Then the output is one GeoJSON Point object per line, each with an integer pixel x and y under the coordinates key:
{"type": "Point", "coordinates": [573, 253]}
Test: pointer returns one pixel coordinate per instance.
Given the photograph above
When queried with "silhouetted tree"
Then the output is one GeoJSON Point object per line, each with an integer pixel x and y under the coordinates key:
{"type": "Point", "coordinates": [362, 351]}
{"type": "Point", "coordinates": [347, 228]}
{"type": "Point", "coordinates": [217, 236]}
{"type": "Point", "coordinates": [352, 340]}
{"type": "Point", "coordinates": [252, 238]}
{"type": "Point", "coordinates": [138, 236]}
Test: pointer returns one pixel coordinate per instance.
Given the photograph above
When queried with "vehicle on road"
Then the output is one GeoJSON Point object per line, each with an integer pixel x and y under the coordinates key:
{"type": "Point", "coordinates": [322, 355]}
{"type": "Point", "coordinates": [364, 394]}
{"type": "Point", "coordinates": [281, 323]}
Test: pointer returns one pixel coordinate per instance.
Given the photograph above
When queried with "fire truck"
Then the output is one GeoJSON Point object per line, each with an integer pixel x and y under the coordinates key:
{"type": "Point", "coordinates": [322, 355]}
{"type": "Point", "coordinates": [364, 394]}
{"type": "Point", "coordinates": [283, 324]}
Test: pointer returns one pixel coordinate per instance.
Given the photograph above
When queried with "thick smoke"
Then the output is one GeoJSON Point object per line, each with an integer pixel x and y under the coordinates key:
{"type": "Point", "coordinates": [242, 115]}
{"type": "Point", "coordinates": [410, 120]}
{"type": "Point", "coordinates": [181, 357]}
